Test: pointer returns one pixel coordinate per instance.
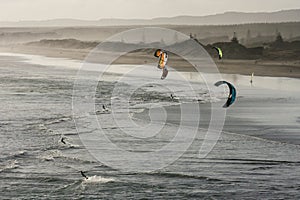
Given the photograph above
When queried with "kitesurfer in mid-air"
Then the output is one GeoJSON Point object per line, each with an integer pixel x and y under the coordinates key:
{"type": "Point", "coordinates": [162, 62]}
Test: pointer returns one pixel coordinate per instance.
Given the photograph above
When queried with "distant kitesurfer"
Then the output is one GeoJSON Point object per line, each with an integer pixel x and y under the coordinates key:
{"type": "Point", "coordinates": [172, 96]}
{"type": "Point", "coordinates": [104, 108]}
{"type": "Point", "coordinates": [63, 140]}
{"type": "Point", "coordinates": [251, 80]}
{"type": "Point", "coordinates": [82, 174]}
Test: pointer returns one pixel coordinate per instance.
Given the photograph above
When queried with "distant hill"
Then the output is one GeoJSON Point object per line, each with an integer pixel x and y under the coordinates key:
{"type": "Point", "coordinates": [235, 18]}
{"type": "Point", "coordinates": [217, 19]}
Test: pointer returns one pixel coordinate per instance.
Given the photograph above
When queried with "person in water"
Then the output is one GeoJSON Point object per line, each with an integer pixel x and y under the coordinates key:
{"type": "Point", "coordinates": [63, 140]}
{"type": "Point", "coordinates": [172, 96]}
{"type": "Point", "coordinates": [82, 174]}
{"type": "Point", "coordinates": [104, 108]}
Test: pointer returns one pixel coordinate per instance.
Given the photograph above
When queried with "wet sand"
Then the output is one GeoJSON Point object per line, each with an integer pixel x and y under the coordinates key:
{"type": "Point", "coordinates": [245, 67]}
{"type": "Point", "coordinates": [269, 109]}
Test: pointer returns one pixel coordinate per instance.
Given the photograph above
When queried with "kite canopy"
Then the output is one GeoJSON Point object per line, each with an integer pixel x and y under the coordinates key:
{"type": "Point", "coordinates": [232, 93]}
{"type": "Point", "coordinates": [220, 53]}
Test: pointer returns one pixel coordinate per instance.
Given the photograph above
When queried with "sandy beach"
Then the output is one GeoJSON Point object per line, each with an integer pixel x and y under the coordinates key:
{"type": "Point", "coordinates": [243, 67]}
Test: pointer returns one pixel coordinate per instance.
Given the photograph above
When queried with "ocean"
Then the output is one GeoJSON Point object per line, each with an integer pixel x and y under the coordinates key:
{"type": "Point", "coordinates": [143, 144]}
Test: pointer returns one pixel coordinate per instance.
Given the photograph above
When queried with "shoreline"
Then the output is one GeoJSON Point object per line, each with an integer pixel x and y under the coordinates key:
{"type": "Point", "coordinates": [233, 125]}
{"type": "Point", "coordinates": [289, 69]}
{"type": "Point", "coordinates": [262, 102]}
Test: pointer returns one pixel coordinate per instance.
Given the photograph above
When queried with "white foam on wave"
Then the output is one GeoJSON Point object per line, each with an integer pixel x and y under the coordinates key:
{"type": "Point", "coordinates": [98, 179]}
{"type": "Point", "coordinates": [50, 155]}
{"type": "Point", "coordinates": [59, 120]}
{"type": "Point", "coordinates": [19, 153]}
{"type": "Point", "coordinates": [68, 142]}
{"type": "Point", "coordinates": [11, 164]}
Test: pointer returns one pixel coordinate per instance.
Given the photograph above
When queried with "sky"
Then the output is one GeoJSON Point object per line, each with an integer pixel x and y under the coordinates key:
{"type": "Point", "coordinates": [16, 10]}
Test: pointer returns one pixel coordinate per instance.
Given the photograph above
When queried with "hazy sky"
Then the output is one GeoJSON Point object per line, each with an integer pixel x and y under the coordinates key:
{"type": "Point", "coordinates": [14, 10]}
